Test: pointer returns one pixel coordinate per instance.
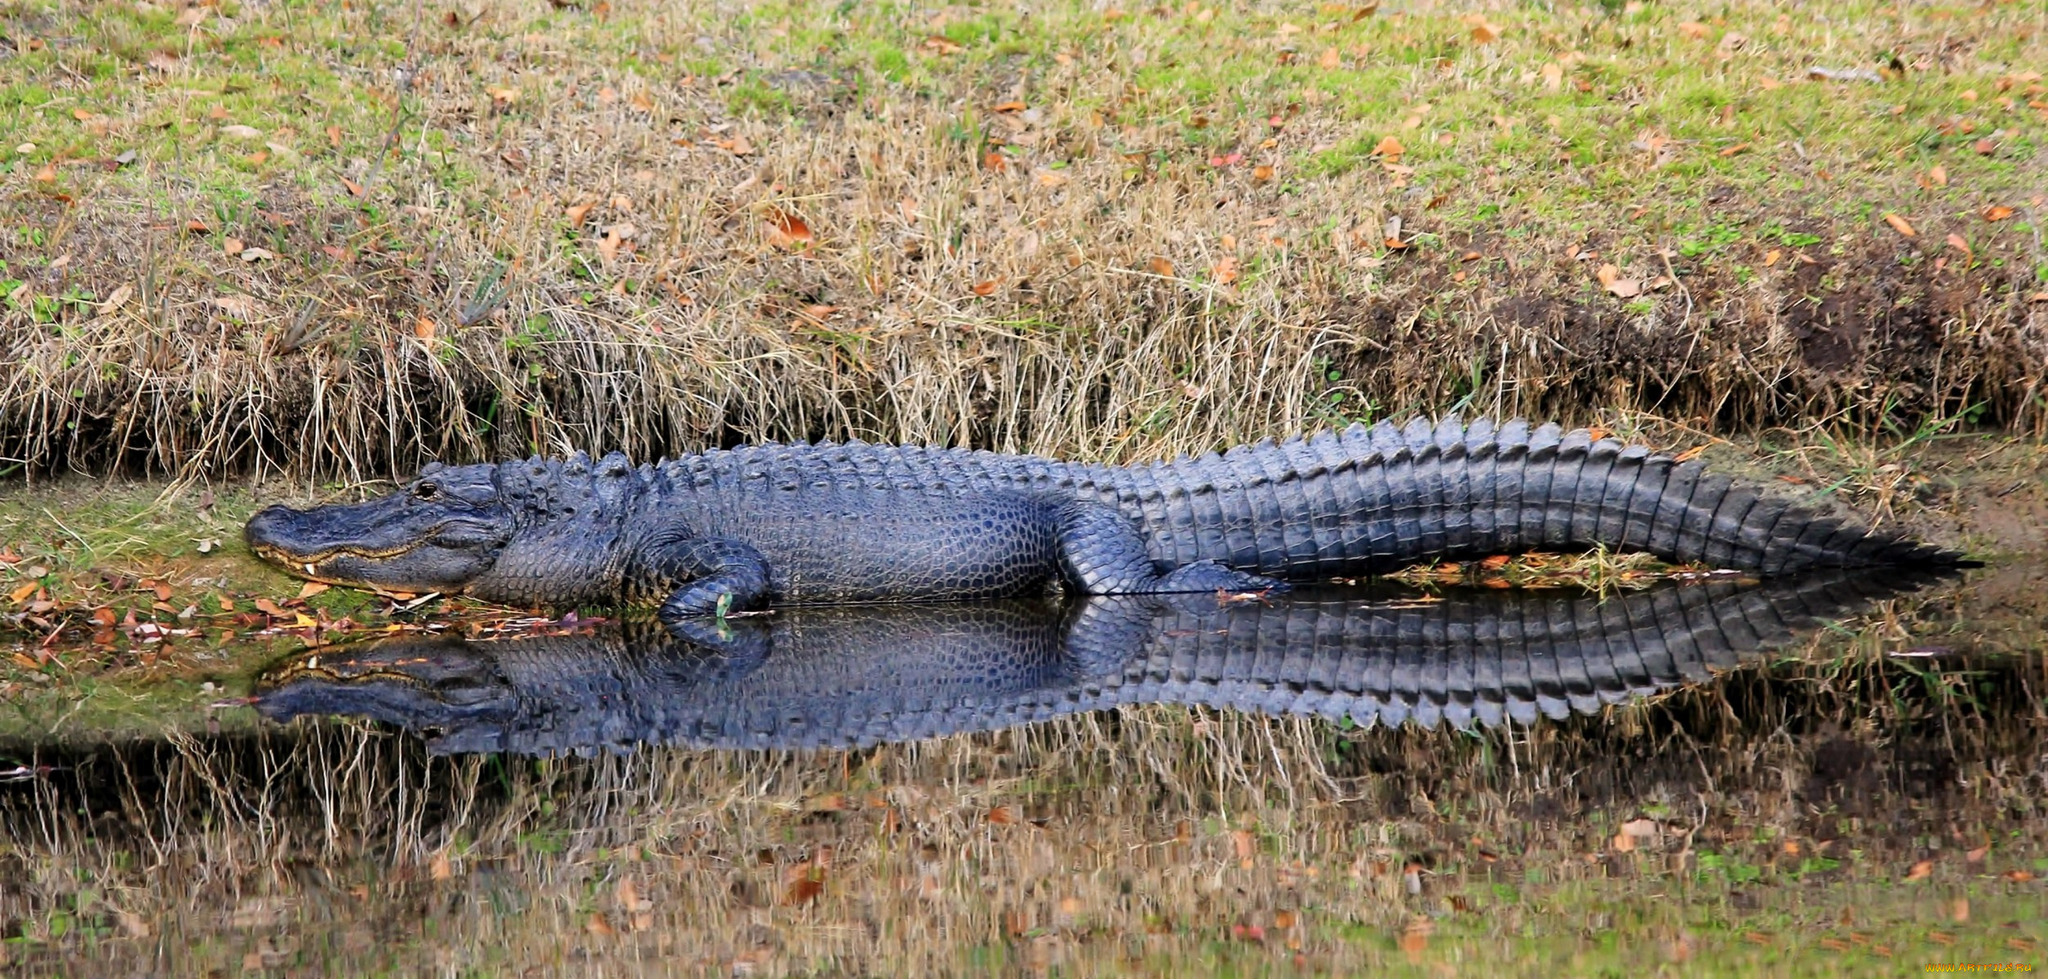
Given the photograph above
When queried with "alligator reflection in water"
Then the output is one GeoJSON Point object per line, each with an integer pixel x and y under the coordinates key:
{"type": "Point", "coordinates": [809, 677]}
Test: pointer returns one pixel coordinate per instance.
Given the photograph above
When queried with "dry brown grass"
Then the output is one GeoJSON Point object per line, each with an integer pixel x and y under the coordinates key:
{"type": "Point", "coordinates": [1138, 299]}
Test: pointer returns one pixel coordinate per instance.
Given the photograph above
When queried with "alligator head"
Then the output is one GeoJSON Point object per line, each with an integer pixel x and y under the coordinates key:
{"type": "Point", "coordinates": [421, 683]}
{"type": "Point", "coordinates": [435, 534]}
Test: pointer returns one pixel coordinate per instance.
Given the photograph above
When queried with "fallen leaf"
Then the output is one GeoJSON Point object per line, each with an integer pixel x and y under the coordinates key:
{"type": "Point", "coordinates": [577, 212]}
{"type": "Point", "coordinates": [354, 189]}
{"type": "Point", "coordinates": [1997, 212]}
{"type": "Point", "coordinates": [1262, 173]}
{"type": "Point", "coordinates": [441, 868]}
{"type": "Point", "coordinates": [1389, 148]}
{"type": "Point", "coordinates": [1921, 870]}
{"type": "Point", "coordinates": [599, 925]}
{"type": "Point", "coordinates": [1693, 30]}
{"type": "Point", "coordinates": [1160, 266]}
{"type": "Point", "coordinates": [22, 593]}
{"type": "Point", "coordinates": [1331, 58]}
{"type": "Point", "coordinates": [313, 588]}
{"type": "Point", "coordinates": [803, 890]}
{"type": "Point", "coordinates": [240, 131]}
{"type": "Point", "coordinates": [1012, 106]}
{"type": "Point", "coordinates": [1937, 176]}
{"type": "Point", "coordinates": [786, 230]}
{"type": "Point", "coordinates": [986, 288]}
{"type": "Point", "coordinates": [422, 328]}
{"type": "Point", "coordinates": [1737, 148]}
{"type": "Point", "coordinates": [1900, 225]}
{"type": "Point", "coordinates": [257, 254]}
{"type": "Point", "coordinates": [1483, 32]}
{"type": "Point", "coordinates": [1225, 270]}
{"type": "Point", "coordinates": [1956, 242]}
{"type": "Point", "coordinates": [232, 246]}
{"type": "Point", "coordinates": [1611, 280]}
{"type": "Point", "coordinates": [48, 174]}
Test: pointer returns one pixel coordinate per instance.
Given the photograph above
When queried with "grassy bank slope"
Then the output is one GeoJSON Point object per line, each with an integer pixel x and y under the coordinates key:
{"type": "Point", "coordinates": [340, 237]}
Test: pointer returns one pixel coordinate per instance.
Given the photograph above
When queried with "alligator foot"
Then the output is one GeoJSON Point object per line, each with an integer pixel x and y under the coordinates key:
{"type": "Point", "coordinates": [1210, 576]}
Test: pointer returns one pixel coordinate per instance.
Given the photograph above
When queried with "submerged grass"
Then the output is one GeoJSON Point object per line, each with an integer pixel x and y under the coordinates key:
{"type": "Point", "coordinates": [338, 239]}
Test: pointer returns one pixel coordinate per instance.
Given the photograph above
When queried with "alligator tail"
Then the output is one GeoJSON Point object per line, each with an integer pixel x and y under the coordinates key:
{"type": "Point", "coordinates": [1372, 499]}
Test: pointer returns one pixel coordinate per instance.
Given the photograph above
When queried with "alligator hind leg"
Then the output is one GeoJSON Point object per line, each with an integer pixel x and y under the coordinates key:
{"type": "Point", "coordinates": [1101, 553]}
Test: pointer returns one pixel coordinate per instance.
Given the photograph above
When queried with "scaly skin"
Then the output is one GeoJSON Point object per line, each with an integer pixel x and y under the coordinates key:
{"type": "Point", "coordinates": [802, 524]}
{"type": "Point", "coordinates": [857, 676]}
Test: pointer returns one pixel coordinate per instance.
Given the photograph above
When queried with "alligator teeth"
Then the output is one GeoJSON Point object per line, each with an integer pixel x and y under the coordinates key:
{"type": "Point", "coordinates": [309, 569]}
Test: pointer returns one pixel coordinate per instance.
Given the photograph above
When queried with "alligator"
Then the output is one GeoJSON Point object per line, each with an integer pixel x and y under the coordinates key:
{"type": "Point", "coordinates": [854, 676]}
{"type": "Point", "coordinates": [732, 530]}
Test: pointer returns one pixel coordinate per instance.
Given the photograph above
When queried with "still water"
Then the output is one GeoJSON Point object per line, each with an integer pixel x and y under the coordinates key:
{"type": "Point", "coordinates": [1825, 774]}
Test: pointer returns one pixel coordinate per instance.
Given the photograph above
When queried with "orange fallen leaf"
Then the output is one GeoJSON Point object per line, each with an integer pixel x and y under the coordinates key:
{"type": "Point", "coordinates": [1900, 225]}
{"type": "Point", "coordinates": [786, 230]}
{"type": "Point", "coordinates": [103, 616]}
{"type": "Point", "coordinates": [1002, 815]}
{"type": "Point", "coordinates": [1737, 148]}
{"type": "Point", "coordinates": [1225, 270]}
{"type": "Point", "coordinates": [48, 174]}
{"type": "Point", "coordinates": [22, 593]}
{"type": "Point", "coordinates": [1997, 212]}
{"type": "Point", "coordinates": [313, 588]}
{"type": "Point", "coordinates": [1483, 32]}
{"type": "Point", "coordinates": [1331, 58]}
{"type": "Point", "coordinates": [987, 287]}
{"type": "Point", "coordinates": [599, 925]}
{"type": "Point", "coordinates": [1011, 106]}
{"type": "Point", "coordinates": [354, 189]}
{"type": "Point", "coordinates": [577, 212]}
{"type": "Point", "coordinates": [1390, 148]}
{"type": "Point", "coordinates": [1160, 266]}
{"type": "Point", "coordinates": [1956, 242]}
{"type": "Point", "coordinates": [1262, 173]}
{"type": "Point", "coordinates": [1937, 176]}
{"type": "Point", "coordinates": [1921, 870]}
{"type": "Point", "coordinates": [803, 890]}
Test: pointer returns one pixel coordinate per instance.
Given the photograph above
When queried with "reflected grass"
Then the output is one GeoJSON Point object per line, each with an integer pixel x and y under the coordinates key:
{"type": "Point", "coordinates": [1838, 807]}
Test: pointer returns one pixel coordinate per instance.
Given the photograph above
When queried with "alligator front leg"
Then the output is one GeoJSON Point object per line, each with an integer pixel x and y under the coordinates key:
{"type": "Point", "coordinates": [718, 575]}
{"type": "Point", "coordinates": [1101, 553]}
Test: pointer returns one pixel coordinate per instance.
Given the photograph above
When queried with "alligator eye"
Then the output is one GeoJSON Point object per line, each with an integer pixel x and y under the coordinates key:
{"type": "Point", "coordinates": [426, 491]}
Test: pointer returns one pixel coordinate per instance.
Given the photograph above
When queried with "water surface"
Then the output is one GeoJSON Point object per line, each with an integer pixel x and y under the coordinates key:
{"type": "Point", "coordinates": [1830, 774]}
